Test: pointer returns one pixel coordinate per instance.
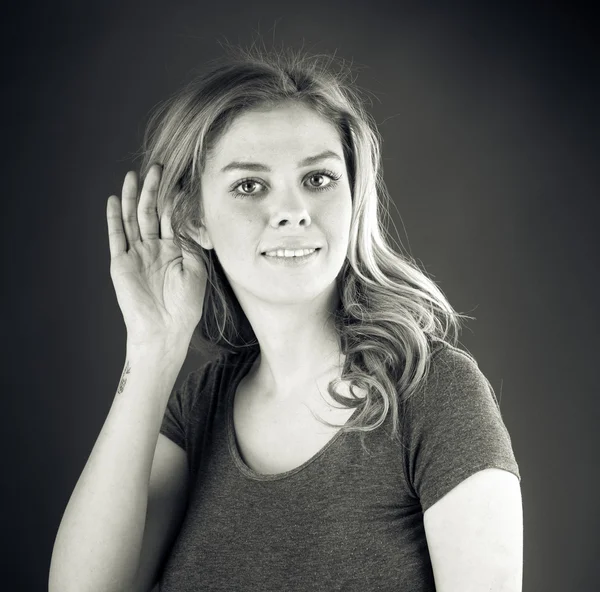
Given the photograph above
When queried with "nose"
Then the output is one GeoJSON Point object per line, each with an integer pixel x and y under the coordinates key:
{"type": "Point", "coordinates": [290, 210]}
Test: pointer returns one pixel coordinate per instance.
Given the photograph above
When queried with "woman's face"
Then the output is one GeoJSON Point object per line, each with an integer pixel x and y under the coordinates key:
{"type": "Point", "coordinates": [261, 186]}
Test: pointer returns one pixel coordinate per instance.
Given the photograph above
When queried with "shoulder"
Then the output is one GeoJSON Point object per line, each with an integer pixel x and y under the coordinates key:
{"type": "Point", "coordinates": [454, 427]}
{"type": "Point", "coordinates": [450, 366]}
{"type": "Point", "coordinates": [453, 381]}
{"type": "Point", "coordinates": [218, 373]}
{"type": "Point", "coordinates": [448, 357]}
{"type": "Point", "coordinates": [199, 380]}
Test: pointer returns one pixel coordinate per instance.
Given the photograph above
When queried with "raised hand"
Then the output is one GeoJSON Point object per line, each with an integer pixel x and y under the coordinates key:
{"type": "Point", "coordinates": [160, 289]}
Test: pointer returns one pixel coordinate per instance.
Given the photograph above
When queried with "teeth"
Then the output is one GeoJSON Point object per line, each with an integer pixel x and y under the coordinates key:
{"type": "Point", "coordinates": [289, 253]}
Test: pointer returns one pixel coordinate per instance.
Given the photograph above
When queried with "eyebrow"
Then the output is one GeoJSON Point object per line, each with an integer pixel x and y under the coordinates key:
{"type": "Point", "coordinates": [255, 166]}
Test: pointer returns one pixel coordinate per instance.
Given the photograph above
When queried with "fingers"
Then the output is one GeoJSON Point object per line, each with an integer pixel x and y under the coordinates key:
{"type": "Point", "coordinates": [129, 207]}
{"type": "Point", "coordinates": [147, 211]}
{"type": "Point", "coordinates": [129, 220]}
{"type": "Point", "coordinates": [117, 241]}
{"type": "Point", "coordinates": [166, 230]}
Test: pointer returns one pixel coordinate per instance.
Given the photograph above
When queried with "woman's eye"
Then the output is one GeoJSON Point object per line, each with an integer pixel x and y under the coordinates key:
{"type": "Point", "coordinates": [245, 185]}
{"type": "Point", "coordinates": [325, 180]}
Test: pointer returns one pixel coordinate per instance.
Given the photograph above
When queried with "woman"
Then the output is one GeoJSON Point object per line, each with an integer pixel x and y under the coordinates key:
{"type": "Point", "coordinates": [340, 440]}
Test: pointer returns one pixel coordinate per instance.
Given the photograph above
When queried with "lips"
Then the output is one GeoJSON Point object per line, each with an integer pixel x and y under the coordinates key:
{"type": "Point", "coordinates": [290, 249]}
{"type": "Point", "coordinates": [295, 261]}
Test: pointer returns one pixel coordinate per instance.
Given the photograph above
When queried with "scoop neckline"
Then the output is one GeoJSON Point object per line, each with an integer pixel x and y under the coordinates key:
{"type": "Point", "coordinates": [232, 438]}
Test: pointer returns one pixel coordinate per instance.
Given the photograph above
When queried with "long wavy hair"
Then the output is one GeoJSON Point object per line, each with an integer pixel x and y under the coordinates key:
{"type": "Point", "coordinates": [390, 312]}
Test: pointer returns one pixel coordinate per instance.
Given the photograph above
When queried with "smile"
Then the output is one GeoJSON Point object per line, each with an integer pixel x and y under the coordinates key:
{"type": "Point", "coordinates": [294, 260]}
{"type": "Point", "coordinates": [290, 253]}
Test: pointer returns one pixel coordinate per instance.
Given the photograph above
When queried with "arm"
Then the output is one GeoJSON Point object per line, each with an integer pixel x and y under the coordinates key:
{"type": "Point", "coordinates": [475, 535]}
{"type": "Point", "coordinates": [167, 499]}
{"type": "Point", "coordinates": [99, 541]}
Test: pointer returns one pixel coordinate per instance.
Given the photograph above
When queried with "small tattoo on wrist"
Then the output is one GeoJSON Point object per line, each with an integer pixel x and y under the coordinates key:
{"type": "Point", "coordinates": [123, 380]}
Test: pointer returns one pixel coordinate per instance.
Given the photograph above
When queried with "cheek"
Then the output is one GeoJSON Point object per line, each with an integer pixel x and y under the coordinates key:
{"type": "Point", "coordinates": [235, 235]}
{"type": "Point", "coordinates": [336, 218]}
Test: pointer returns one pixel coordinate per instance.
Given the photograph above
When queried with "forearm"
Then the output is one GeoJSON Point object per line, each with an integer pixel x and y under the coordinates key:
{"type": "Point", "coordinates": [99, 540]}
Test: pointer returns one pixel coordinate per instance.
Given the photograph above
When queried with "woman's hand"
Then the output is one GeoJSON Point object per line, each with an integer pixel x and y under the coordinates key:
{"type": "Point", "coordinates": [160, 289]}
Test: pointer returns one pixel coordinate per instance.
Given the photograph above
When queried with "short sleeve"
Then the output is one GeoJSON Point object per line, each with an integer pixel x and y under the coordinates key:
{"type": "Point", "coordinates": [454, 428]}
{"type": "Point", "coordinates": [180, 406]}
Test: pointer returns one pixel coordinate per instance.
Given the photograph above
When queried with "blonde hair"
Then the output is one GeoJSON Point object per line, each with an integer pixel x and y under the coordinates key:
{"type": "Point", "coordinates": [390, 312]}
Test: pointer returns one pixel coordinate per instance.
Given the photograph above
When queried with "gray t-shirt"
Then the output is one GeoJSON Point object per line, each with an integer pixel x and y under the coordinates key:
{"type": "Point", "coordinates": [344, 520]}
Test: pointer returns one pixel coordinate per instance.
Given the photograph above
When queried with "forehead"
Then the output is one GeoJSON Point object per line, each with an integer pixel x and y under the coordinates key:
{"type": "Point", "coordinates": [285, 133]}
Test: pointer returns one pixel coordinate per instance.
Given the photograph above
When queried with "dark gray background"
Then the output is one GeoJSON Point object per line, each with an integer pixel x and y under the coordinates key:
{"type": "Point", "coordinates": [489, 116]}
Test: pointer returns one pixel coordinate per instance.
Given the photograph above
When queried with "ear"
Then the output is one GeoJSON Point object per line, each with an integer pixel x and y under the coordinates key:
{"type": "Point", "coordinates": [198, 232]}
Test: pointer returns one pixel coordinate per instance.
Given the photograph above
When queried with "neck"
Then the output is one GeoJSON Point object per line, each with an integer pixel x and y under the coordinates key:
{"type": "Point", "coordinates": [299, 346]}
